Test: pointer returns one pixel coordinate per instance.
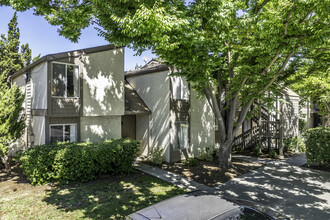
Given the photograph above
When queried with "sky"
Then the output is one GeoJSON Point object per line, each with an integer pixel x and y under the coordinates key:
{"type": "Point", "coordinates": [44, 39]}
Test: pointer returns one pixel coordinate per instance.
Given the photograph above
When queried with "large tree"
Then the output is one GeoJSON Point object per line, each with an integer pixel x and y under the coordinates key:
{"type": "Point", "coordinates": [12, 59]}
{"type": "Point", "coordinates": [312, 79]}
{"type": "Point", "coordinates": [12, 56]}
{"type": "Point", "coordinates": [232, 51]}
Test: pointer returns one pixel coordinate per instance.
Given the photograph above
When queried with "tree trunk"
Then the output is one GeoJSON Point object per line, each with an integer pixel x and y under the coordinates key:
{"type": "Point", "coordinates": [225, 156]}
{"type": "Point", "coordinates": [6, 160]}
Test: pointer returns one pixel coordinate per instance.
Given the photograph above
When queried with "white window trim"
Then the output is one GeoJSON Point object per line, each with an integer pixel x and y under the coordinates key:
{"type": "Point", "coordinates": [188, 125]}
{"type": "Point", "coordinates": [66, 78]}
{"type": "Point", "coordinates": [63, 132]}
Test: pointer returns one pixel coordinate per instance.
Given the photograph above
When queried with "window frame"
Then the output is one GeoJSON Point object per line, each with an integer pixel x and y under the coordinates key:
{"type": "Point", "coordinates": [66, 80]}
{"type": "Point", "coordinates": [63, 132]}
{"type": "Point", "coordinates": [188, 135]}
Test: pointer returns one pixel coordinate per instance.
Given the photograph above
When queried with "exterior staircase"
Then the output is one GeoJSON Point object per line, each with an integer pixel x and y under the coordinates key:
{"type": "Point", "coordinates": [266, 127]}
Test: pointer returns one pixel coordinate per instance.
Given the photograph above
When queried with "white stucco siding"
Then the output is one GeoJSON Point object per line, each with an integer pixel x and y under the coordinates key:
{"type": "Point", "coordinates": [20, 81]}
{"type": "Point", "coordinates": [103, 83]}
{"type": "Point", "coordinates": [142, 133]}
{"type": "Point", "coordinates": [98, 129]}
{"type": "Point", "coordinates": [39, 129]}
{"type": "Point", "coordinates": [290, 114]}
{"type": "Point", "coordinates": [39, 86]}
{"type": "Point", "coordinates": [154, 89]}
{"type": "Point", "coordinates": [201, 124]}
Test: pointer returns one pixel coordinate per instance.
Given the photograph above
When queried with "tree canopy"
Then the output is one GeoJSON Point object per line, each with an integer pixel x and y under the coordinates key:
{"type": "Point", "coordinates": [312, 79]}
{"type": "Point", "coordinates": [12, 56]}
{"type": "Point", "coordinates": [232, 51]}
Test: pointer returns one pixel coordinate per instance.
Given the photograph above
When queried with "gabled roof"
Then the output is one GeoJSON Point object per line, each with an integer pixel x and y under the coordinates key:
{"type": "Point", "coordinates": [56, 56]}
{"type": "Point", "coordinates": [152, 66]}
{"type": "Point", "coordinates": [134, 105]}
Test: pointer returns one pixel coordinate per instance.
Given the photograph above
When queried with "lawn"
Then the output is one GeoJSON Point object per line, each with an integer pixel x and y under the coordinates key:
{"type": "Point", "coordinates": [109, 197]}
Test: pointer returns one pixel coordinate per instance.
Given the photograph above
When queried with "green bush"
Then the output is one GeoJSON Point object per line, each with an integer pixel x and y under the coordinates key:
{"type": "Point", "coordinates": [317, 142]}
{"type": "Point", "coordinates": [206, 154]}
{"type": "Point", "coordinates": [273, 154]}
{"type": "Point", "coordinates": [78, 162]}
{"type": "Point", "coordinates": [156, 156]}
{"type": "Point", "coordinates": [294, 144]}
{"type": "Point", "coordinates": [301, 124]}
{"type": "Point", "coordinates": [257, 150]}
{"type": "Point", "coordinates": [191, 162]}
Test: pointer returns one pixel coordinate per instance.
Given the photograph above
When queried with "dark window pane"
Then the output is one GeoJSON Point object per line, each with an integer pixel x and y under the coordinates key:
{"type": "Point", "coordinates": [58, 86]}
{"type": "Point", "coordinates": [70, 81]}
{"type": "Point", "coordinates": [67, 133]}
{"type": "Point", "coordinates": [56, 133]}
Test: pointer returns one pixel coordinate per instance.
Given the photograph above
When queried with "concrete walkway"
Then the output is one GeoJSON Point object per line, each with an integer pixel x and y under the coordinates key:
{"type": "Point", "coordinates": [297, 192]}
{"type": "Point", "coordinates": [170, 177]}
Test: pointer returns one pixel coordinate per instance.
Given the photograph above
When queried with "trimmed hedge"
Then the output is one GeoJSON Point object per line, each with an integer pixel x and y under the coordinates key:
{"type": "Point", "coordinates": [318, 146]}
{"type": "Point", "coordinates": [78, 162]}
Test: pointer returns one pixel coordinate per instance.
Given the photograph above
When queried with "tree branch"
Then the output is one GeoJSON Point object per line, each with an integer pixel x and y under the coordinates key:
{"type": "Point", "coordinates": [286, 23]}
{"type": "Point", "coordinates": [257, 10]}
{"type": "Point", "coordinates": [213, 101]}
{"type": "Point", "coordinates": [305, 18]}
{"type": "Point", "coordinates": [270, 64]}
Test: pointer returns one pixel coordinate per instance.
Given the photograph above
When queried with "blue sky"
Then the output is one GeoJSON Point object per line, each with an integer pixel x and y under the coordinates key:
{"type": "Point", "coordinates": [44, 38]}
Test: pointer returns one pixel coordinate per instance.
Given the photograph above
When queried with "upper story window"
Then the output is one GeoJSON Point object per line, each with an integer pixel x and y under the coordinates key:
{"type": "Point", "coordinates": [65, 80]}
{"type": "Point", "coordinates": [180, 89]}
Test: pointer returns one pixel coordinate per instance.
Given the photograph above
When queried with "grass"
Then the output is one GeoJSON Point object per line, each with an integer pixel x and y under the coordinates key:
{"type": "Point", "coordinates": [110, 197]}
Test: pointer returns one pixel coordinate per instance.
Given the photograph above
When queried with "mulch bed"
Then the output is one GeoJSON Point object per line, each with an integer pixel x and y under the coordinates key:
{"type": "Point", "coordinates": [208, 173]}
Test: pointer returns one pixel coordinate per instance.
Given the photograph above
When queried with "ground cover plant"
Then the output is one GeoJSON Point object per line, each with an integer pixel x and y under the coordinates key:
{"type": "Point", "coordinates": [78, 162]}
{"type": "Point", "coordinates": [106, 198]}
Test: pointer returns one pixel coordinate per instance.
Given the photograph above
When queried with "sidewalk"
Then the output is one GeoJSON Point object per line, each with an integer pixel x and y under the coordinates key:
{"type": "Point", "coordinates": [175, 179]}
{"type": "Point", "coordinates": [190, 185]}
{"type": "Point", "coordinates": [298, 192]}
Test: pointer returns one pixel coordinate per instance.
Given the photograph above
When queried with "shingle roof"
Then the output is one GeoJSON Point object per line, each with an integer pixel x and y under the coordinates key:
{"type": "Point", "coordinates": [134, 105]}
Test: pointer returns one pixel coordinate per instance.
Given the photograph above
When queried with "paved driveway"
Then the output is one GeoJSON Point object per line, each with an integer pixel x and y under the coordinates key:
{"type": "Point", "coordinates": [298, 192]}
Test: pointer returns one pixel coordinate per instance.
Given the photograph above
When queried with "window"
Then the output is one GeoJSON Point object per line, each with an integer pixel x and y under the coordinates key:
{"type": "Point", "coordinates": [180, 135]}
{"type": "Point", "coordinates": [180, 88]}
{"type": "Point", "coordinates": [63, 133]}
{"type": "Point", "coordinates": [65, 80]}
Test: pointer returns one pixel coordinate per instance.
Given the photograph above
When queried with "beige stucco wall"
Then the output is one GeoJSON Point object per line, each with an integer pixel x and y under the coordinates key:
{"type": "Point", "coordinates": [98, 129]}
{"type": "Point", "coordinates": [20, 81]}
{"type": "Point", "coordinates": [103, 83]}
{"type": "Point", "coordinates": [290, 114]}
{"type": "Point", "coordinates": [39, 86]}
{"type": "Point", "coordinates": [39, 128]}
{"type": "Point", "coordinates": [154, 89]}
{"type": "Point", "coordinates": [142, 133]}
{"type": "Point", "coordinates": [201, 123]}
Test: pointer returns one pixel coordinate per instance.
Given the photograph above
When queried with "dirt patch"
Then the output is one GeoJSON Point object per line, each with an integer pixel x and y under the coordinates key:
{"type": "Point", "coordinates": [208, 173]}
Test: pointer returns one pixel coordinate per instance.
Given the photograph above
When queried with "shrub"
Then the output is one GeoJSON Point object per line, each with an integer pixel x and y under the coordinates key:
{"type": "Point", "coordinates": [273, 154]}
{"type": "Point", "coordinates": [318, 145]}
{"type": "Point", "coordinates": [206, 154]}
{"type": "Point", "coordinates": [257, 150]}
{"type": "Point", "coordinates": [294, 144]}
{"type": "Point", "coordinates": [239, 149]}
{"type": "Point", "coordinates": [78, 162]}
{"type": "Point", "coordinates": [157, 156]}
{"type": "Point", "coordinates": [191, 162]}
{"type": "Point", "coordinates": [301, 124]}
